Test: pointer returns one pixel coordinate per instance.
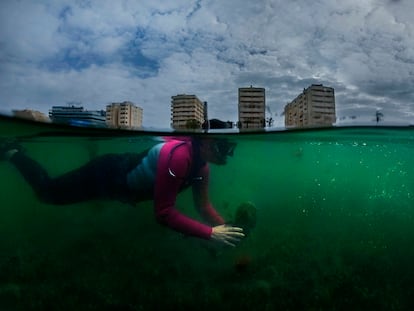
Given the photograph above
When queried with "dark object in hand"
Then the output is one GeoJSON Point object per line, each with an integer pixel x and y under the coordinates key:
{"type": "Point", "coordinates": [245, 217]}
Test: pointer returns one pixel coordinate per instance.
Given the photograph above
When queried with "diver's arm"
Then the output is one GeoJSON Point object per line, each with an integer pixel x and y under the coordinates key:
{"type": "Point", "coordinates": [201, 198]}
{"type": "Point", "coordinates": [171, 169]}
{"type": "Point", "coordinates": [226, 234]}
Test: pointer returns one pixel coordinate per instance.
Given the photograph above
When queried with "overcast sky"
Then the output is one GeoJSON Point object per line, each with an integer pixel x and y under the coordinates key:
{"type": "Point", "coordinates": [96, 52]}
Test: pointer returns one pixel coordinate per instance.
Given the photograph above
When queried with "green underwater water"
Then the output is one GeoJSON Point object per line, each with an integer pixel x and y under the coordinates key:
{"type": "Point", "coordinates": [335, 227]}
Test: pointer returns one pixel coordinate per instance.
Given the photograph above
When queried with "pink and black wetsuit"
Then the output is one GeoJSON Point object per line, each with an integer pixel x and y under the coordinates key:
{"type": "Point", "coordinates": [159, 174]}
{"type": "Point", "coordinates": [170, 167]}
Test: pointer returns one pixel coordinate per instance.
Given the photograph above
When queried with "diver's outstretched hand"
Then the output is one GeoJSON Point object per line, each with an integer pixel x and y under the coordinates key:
{"type": "Point", "coordinates": [227, 234]}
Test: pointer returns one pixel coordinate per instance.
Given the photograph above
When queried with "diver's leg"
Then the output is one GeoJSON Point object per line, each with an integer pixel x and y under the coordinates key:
{"type": "Point", "coordinates": [105, 177]}
{"type": "Point", "coordinates": [75, 186]}
{"type": "Point", "coordinates": [102, 178]}
{"type": "Point", "coordinates": [8, 147]}
{"type": "Point", "coordinates": [34, 174]}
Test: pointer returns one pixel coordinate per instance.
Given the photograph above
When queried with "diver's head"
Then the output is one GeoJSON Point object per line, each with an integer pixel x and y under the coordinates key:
{"type": "Point", "coordinates": [216, 150]}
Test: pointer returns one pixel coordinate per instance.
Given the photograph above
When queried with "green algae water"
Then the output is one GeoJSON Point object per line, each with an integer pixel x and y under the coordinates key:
{"type": "Point", "coordinates": [334, 229]}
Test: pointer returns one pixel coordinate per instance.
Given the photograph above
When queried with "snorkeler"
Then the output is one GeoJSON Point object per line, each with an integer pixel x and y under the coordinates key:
{"type": "Point", "coordinates": [158, 174]}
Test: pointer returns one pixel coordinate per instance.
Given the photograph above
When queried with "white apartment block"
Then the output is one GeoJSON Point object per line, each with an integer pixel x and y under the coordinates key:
{"type": "Point", "coordinates": [252, 107]}
{"type": "Point", "coordinates": [315, 106]}
{"type": "Point", "coordinates": [124, 115]}
{"type": "Point", "coordinates": [186, 108]}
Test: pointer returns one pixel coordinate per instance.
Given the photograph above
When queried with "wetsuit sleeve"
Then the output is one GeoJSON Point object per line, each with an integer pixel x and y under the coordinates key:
{"type": "Point", "coordinates": [172, 169]}
{"type": "Point", "coordinates": [202, 201]}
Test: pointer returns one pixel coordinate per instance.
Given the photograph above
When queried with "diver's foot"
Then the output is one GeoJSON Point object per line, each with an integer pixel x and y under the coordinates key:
{"type": "Point", "coordinates": [8, 148]}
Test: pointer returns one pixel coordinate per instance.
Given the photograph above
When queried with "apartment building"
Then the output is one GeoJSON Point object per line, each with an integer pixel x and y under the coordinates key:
{"type": "Point", "coordinates": [187, 111]}
{"type": "Point", "coordinates": [252, 107]}
{"type": "Point", "coordinates": [77, 115]}
{"type": "Point", "coordinates": [315, 106]}
{"type": "Point", "coordinates": [124, 115]}
{"type": "Point", "coordinates": [31, 115]}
